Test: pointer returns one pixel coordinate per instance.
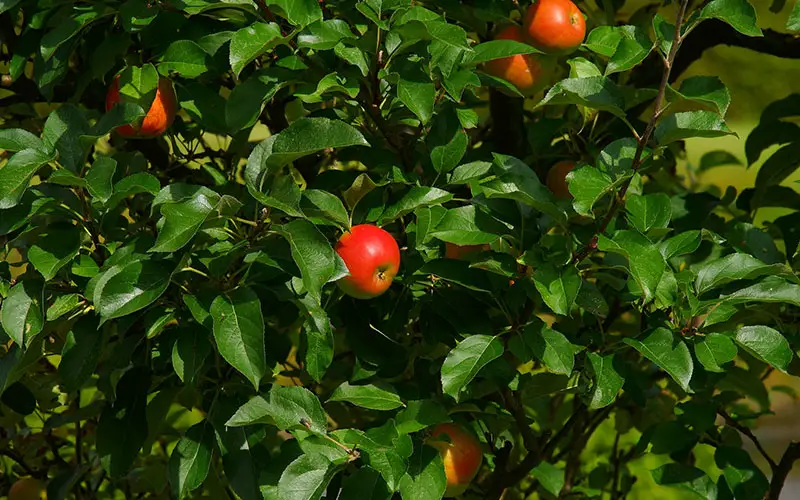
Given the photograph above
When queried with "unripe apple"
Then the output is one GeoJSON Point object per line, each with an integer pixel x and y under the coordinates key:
{"type": "Point", "coordinates": [158, 118]}
{"type": "Point", "coordinates": [525, 71]}
{"type": "Point", "coordinates": [372, 257]}
{"type": "Point", "coordinates": [557, 179]}
{"type": "Point", "coordinates": [461, 454]}
{"type": "Point", "coordinates": [554, 26]}
{"type": "Point", "coordinates": [463, 252]}
{"type": "Point", "coordinates": [27, 488]}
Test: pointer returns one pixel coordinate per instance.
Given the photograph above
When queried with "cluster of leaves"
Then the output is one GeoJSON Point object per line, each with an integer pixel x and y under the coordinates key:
{"type": "Point", "coordinates": [168, 307]}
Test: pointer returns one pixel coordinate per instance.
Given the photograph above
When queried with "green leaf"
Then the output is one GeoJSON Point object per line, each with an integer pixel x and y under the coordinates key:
{"type": "Point", "coordinates": [300, 13]}
{"type": "Point", "coordinates": [614, 166]}
{"type": "Point", "coordinates": [250, 42]}
{"type": "Point", "coordinates": [131, 286]}
{"type": "Point", "coordinates": [718, 158]}
{"type": "Point", "coordinates": [545, 344]}
{"type": "Point", "coordinates": [468, 225]}
{"type": "Point", "coordinates": [188, 354]}
{"type": "Point", "coordinates": [714, 350]}
{"type": "Point", "coordinates": [633, 46]}
{"type": "Point", "coordinates": [603, 40]}
{"type": "Point", "coordinates": [141, 182]}
{"type": "Point", "coordinates": [558, 287]}
{"type": "Point", "coordinates": [183, 220]}
{"type": "Point", "coordinates": [136, 15]}
{"type": "Point", "coordinates": [497, 49]}
{"type": "Point", "coordinates": [306, 478]}
{"type": "Point", "coordinates": [665, 33]}
{"type": "Point", "coordinates": [70, 26]}
{"type": "Point", "coordinates": [669, 352]}
{"type": "Point", "coordinates": [17, 139]}
{"type": "Point", "coordinates": [645, 261]}
{"type": "Point", "coordinates": [54, 249]}
{"type": "Point", "coordinates": [744, 479]}
{"type": "Point", "coordinates": [319, 336]}
{"type": "Point", "coordinates": [792, 24]}
{"type": "Point", "coordinates": [777, 167]}
{"type": "Point", "coordinates": [465, 361]}
{"type": "Point", "coordinates": [333, 82]}
{"type": "Point", "coordinates": [138, 85]}
{"type": "Point", "coordinates": [324, 35]}
{"type": "Point", "coordinates": [287, 408]}
{"type": "Point", "coordinates": [376, 396]}
{"type": "Point", "coordinates": [680, 126]}
{"type": "Point", "coordinates": [425, 479]}
{"type": "Point", "coordinates": [733, 267]}
{"type": "Point", "coordinates": [738, 13]}
{"type": "Point", "coordinates": [17, 173]}
{"type": "Point", "coordinates": [384, 450]}
{"type": "Point", "coordinates": [420, 414]}
{"type": "Point", "coordinates": [772, 289]}
{"type": "Point", "coordinates": [516, 181]}
{"type": "Point", "coordinates": [447, 141]}
{"type": "Point", "coordinates": [607, 380]}
{"type": "Point", "coordinates": [325, 205]}
{"type": "Point", "coordinates": [184, 57]}
{"type": "Point", "coordinates": [767, 344]}
{"type": "Point", "coordinates": [312, 253]}
{"type": "Point", "coordinates": [122, 429]}
{"type": "Point", "coordinates": [707, 90]}
{"type": "Point", "coordinates": [550, 477]}
{"type": "Point", "coordinates": [686, 478]}
{"type": "Point", "coordinates": [365, 484]}
{"type": "Point", "coordinates": [419, 97]}
{"type": "Point", "coordinates": [240, 110]}
{"type": "Point", "coordinates": [22, 314]}
{"type": "Point", "coordinates": [190, 460]}
{"type": "Point", "coordinates": [239, 332]}
{"type": "Point", "coordinates": [63, 305]}
{"type": "Point", "coordinates": [594, 92]}
{"type": "Point", "coordinates": [100, 178]}
{"type": "Point", "coordinates": [646, 212]}
{"type": "Point", "coordinates": [468, 172]}
{"type": "Point", "coordinates": [416, 197]}
{"type": "Point", "coordinates": [681, 244]}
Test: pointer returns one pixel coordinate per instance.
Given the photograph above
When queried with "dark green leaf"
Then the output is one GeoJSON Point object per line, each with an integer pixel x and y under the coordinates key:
{"type": "Point", "coordinates": [54, 249]}
{"type": "Point", "coordinates": [767, 344]}
{"type": "Point", "coordinates": [17, 173]}
{"type": "Point", "coordinates": [778, 167]}
{"type": "Point", "coordinates": [319, 335]}
{"type": "Point", "coordinates": [420, 414]}
{"type": "Point", "coordinates": [123, 426]}
{"type": "Point", "coordinates": [719, 158]}
{"type": "Point", "coordinates": [17, 139]}
{"type": "Point", "coordinates": [183, 220]}
{"type": "Point", "coordinates": [734, 267]}
{"type": "Point", "coordinates": [239, 332]}
{"type": "Point", "coordinates": [738, 13]}
{"type": "Point", "coordinates": [686, 478]}
{"type": "Point", "coordinates": [447, 141]}
{"type": "Point", "coordinates": [558, 287]}
{"type": "Point", "coordinates": [646, 212]}
{"type": "Point", "coordinates": [707, 90]}
{"type": "Point", "coordinates": [680, 126]}
{"type": "Point", "coordinates": [130, 286]}
{"type": "Point", "coordinates": [465, 361]}
{"type": "Point", "coordinates": [306, 478]}
{"type": "Point", "coordinates": [419, 97]}
{"type": "Point", "coordinates": [250, 42]}
{"type": "Point", "coordinates": [425, 479]}
{"type": "Point", "coordinates": [607, 380]}
{"type": "Point", "coordinates": [593, 92]}
{"type": "Point", "coordinates": [681, 244]}
{"type": "Point", "coordinates": [188, 354]}
{"type": "Point", "coordinates": [137, 14]}
{"type": "Point", "coordinates": [191, 459]}
{"type": "Point", "coordinates": [184, 57]}
{"type": "Point", "coordinates": [365, 484]}
{"type": "Point", "coordinates": [417, 196]}
{"type": "Point", "coordinates": [603, 40]}
{"type": "Point", "coordinates": [537, 341]}
{"type": "Point", "coordinates": [645, 261]}
{"type": "Point", "coordinates": [300, 13]}
{"type": "Point", "coordinates": [792, 24]}
{"type": "Point", "coordinates": [63, 305]}
{"type": "Point", "coordinates": [241, 111]}
{"type": "Point", "coordinates": [669, 352]}
{"type": "Point", "coordinates": [467, 226]}
{"type": "Point", "coordinates": [69, 27]}
{"type": "Point", "coordinates": [22, 314]}
{"type": "Point", "coordinates": [550, 477]}
{"type": "Point", "coordinates": [325, 205]}
{"type": "Point", "coordinates": [287, 408]}
{"type": "Point", "coordinates": [633, 46]}
{"type": "Point", "coordinates": [324, 35]}
{"type": "Point", "coordinates": [99, 178]}
{"type": "Point", "coordinates": [312, 253]}
{"type": "Point", "coordinates": [497, 49]}
{"type": "Point", "coordinates": [376, 396]}
{"type": "Point", "coordinates": [714, 350]}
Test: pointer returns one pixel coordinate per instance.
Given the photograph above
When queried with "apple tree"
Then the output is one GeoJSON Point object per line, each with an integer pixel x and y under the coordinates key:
{"type": "Point", "coordinates": [375, 249]}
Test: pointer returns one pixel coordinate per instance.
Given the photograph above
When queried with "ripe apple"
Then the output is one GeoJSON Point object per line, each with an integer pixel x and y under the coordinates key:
{"type": "Point", "coordinates": [372, 257]}
{"type": "Point", "coordinates": [557, 179]}
{"type": "Point", "coordinates": [554, 26]}
{"type": "Point", "coordinates": [463, 252]}
{"type": "Point", "coordinates": [524, 71]}
{"type": "Point", "coordinates": [27, 488]}
{"type": "Point", "coordinates": [462, 456]}
{"type": "Point", "coordinates": [158, 118]}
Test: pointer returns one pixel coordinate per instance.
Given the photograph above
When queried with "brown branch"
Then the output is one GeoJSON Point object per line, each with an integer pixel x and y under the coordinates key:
{"type": "Point", "coordinates": [642, 141]}
{"type": "Point", "coordinates": [781, 471]}
{"type": "Point", "coordinates": [19, 460]}
{"type": "Point", "coordinates": [747, 432]}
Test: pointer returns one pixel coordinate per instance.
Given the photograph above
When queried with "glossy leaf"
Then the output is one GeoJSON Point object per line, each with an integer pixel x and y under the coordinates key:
{"type": "Point", "coordinates": [714, 350]}
{"type": "Point", "coordinates": [669, 352]}
{"type": "Point", "coordinates": [558, 287]}
{"type": "Point", "coordinates": [191, 459]}
{"type": "Point", "coordinates": [767, 344]}
{"type": "Point", "coordinates": [738, 13]}
{"type": "Point", "coordinates": [371, 396]}
{"type": "Point", "coordinates": [239, 332]}
{"type": "Point", "coordinates": [465, 361]}
{"type": "Point", "coordinates": [22, 313]}
{"type": "Point", "coordinates": [607, 380]}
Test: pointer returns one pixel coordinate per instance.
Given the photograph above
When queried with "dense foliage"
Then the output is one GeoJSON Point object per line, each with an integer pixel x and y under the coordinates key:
{"type": "Point", "coordinates": [170, 323]}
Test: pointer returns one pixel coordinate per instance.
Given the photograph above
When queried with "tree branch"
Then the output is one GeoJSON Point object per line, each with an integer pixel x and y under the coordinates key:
{"type": "Point", "coordinates": [781, 471]}
{"type": "Point", "coordinates": [747, 432]}
{"type": "Point", "coordinates": [642, 140]}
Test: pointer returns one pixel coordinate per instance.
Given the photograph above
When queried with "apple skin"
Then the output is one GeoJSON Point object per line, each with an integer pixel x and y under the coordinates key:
{"type": "Point", "coordinates": [27, 488]}
{"type": "Point", "coordinates": [373, 259]}
{"type": "Point", "coordinates": [557, 179]}
{"type": "Point", "coordinates": [525, 71]}
{"type": "Point", "coordinates": [462, 456]}
{"type": "Point", "coordinates": [158, 118]}
{"type": "Point", "coordinates": [555, 26]}
{"type": "Point", "coordinates": [463, 252]}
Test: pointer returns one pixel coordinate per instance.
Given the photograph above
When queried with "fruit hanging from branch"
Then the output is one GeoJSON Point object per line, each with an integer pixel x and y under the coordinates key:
{"type": "Point", "coordinates": [461, 454]}
{"type": "Point", "coordinates": [372, 256]}
{"type": "Point", "coordinates": [527, 72]}
{"type": "Point", "coordinates": [158, 118]}
{"type": "Point", "coordinates": [557, 179]}
{"type": "Point", "coordinates": [554, 26]}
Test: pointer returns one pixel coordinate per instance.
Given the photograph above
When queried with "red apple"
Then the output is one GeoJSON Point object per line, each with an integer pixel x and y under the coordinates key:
{"type": "Point", "coordinates": [372, 257]}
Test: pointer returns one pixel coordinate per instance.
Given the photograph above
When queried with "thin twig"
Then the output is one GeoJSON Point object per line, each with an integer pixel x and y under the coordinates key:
{"type": "Point", "coordinates": [638, 157]}
{"type": "Point", "coordinates": [747, 432]}
{"type": "Point", "coordinates": [19, 460]}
